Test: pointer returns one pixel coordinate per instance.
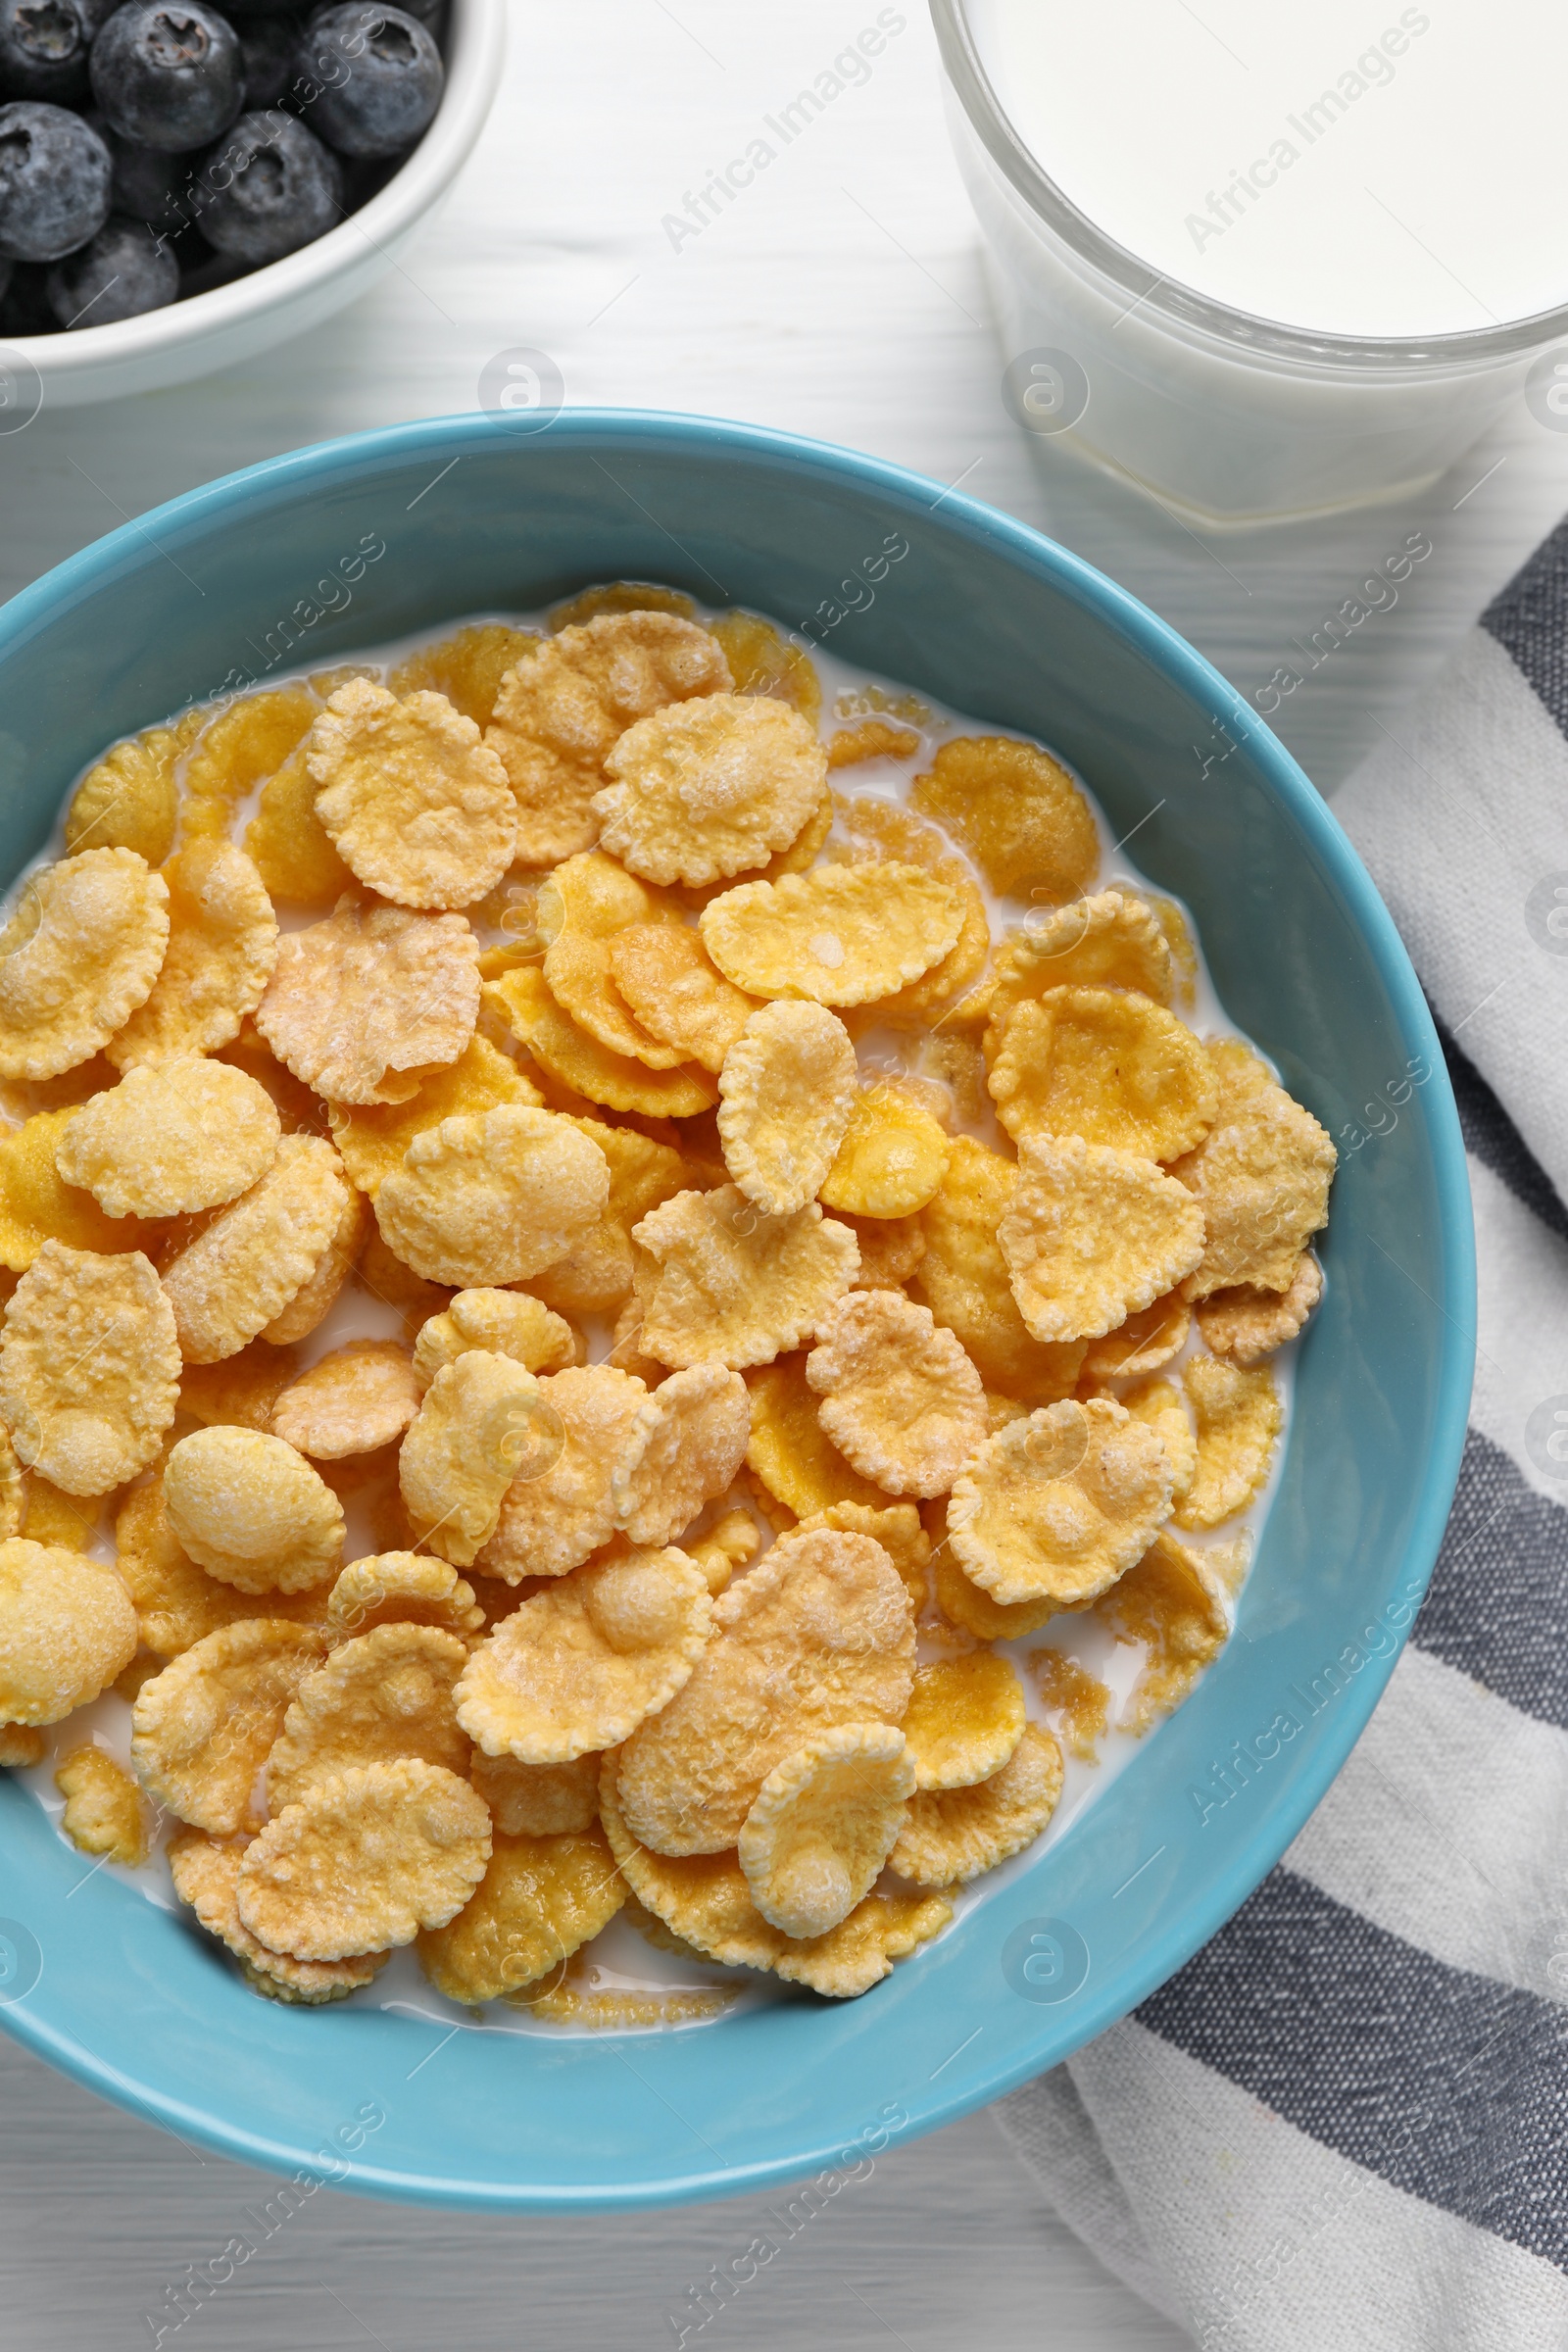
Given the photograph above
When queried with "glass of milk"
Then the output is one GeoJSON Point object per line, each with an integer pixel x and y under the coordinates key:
{"type": "Point", "coordinates": [1269, 260]}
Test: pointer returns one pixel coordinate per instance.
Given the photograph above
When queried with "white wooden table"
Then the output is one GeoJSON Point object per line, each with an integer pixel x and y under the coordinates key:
{"type": "Point", "coordinates": [840, 296]}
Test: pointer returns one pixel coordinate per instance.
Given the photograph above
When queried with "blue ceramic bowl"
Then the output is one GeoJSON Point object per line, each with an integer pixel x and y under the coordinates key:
{"type": "Point", "coordinates": [472, 513]}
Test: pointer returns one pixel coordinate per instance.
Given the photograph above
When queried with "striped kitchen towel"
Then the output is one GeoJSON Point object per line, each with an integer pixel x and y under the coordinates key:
{"type": "Point", "coordinates": [1343, 2127]}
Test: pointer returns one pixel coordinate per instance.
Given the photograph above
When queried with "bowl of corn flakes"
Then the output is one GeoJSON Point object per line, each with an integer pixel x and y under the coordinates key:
{"type": "Point", "coordinates": [736, 1281]}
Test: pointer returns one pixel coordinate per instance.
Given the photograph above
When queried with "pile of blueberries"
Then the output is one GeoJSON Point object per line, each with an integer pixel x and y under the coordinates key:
{"type": "Point", "coordinates": [152, 150]}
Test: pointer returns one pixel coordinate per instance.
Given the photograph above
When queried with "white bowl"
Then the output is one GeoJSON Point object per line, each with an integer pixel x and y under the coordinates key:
{"type": "Point", "coordinates": [232, 322]}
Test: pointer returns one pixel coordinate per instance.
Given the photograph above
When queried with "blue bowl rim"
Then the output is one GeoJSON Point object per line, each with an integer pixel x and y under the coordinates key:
{"type": "Point", "coordinates": [292, 473]}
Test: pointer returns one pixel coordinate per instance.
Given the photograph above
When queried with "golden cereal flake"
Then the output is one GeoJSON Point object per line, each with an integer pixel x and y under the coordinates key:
{"type": "Point", "coordinates": [566, 703]}
{"type": "Point", "coordinates": [540, 1899]}
{"type": "Point", "coordinates": [1018, 814]}
{"type": "Point", "coordinates": [791, 1454]}
{"type": "Point", "coordinates": [373, 1136]}
{"type": "Point", "coordinates": [550, 1522]}
{"type": "Point", "coordinates": [891, 1249]}
{"type": "Point", "coordinates": [38, 1206]}
{"type": "Point", "coordinates": [800, 855]}
{"type": "Point", "coordinates": [252, 1512]}
{"type": "Point", "coordinates": [1059, 1506]}
{"type": "Point", "coordinates": [507, 1323]}
{"type": "Point", "coordinates": [618, 596]}
{"type": "Point", "coordinates": [483, 1422]}
{"type": "Point", "coordinates": [1079, 1702]}
{"type": "Point", "coordinates": [579, 2000]}
{"type": "Point", "coordinates": [709, 787]}
{"type": "Point", "coordinates": [416, 806]}
{"type": "Point", "coordinates": [596, 1277]}
{"type": "Point", "coordinates": [222, 944]}
{"type": "Point", "coordinates": [967, 1717]}
{"type": "Point", "coordinates": [823, 1823]}
{"type": "Point", "coordinates": [579, 1666]}
{"type": "Point", "coordinates": [762, 661]}
{"type": "Point", "coordinates": [382, 1695]}
{"type": "Point", "coordinates": [287, 843]}
{"type": "Point", "coordinates": [1142, 1343]}
{"type": "Point", "coordinates": [177, 1603]}
{"type": "Point", "coordinates": [965, 1606]}
{"type": "Point", "coordinates": [786, 1091]}
{"type": "Point", "coordinates": [366, 1005]}
{"type": "Point", "coordinates": [79, 952]}
{"type": "Point", "coordinates": [878, 828]}
{"type": "Point", "coordinates": [731, 1542]}
{"type": "Point", "coordinates": [963, 1279]}
{"type": "Point", "coordinates": [691, 1441]}
{"type": "Point", "coordinates": [896, 1527]}
{"type": "Point", "coordinates": [901, 1400]}
{"type": "Point", "coordinates": [1110, 940]}
{"type": "Point", "coordinates": [1261, 1176]}
{"type": "Point", "coordinates": [360, 1396]}
{"type": "Point", "coordinates": [401, 1588]}
{"type": "Point", "coordinates": [818, 1635]}
{"type": "Point", "coordinates": [466, 667]}
{"type": "Point", "coordinates": [734, 1286]}
{"type": "Point", "coordinates": [104, 1811]}
{"type": "Point", "coordinates": [676, 992]}
{"type": "Point", "coordinates": [364, 1861]}
{"type": "Point", "coordinates": [257, 1253]}
{"type": "Point", "coordinates": [1093, 1235]}
{"type": "Point", "coordinates": [1246, 1324]}
{"type": "Point", "coordinates": [89, 1367]}
{"type": "Point", "coordinates": [583, 908]}
{"type": "Point", "coordinates": [50, 1516]}
{"type": "Point", "coordinates": [300, 1111]}
{"type": "Point", "coordinates": [861, 1951]}
{"type": "Point", "coordinates": [1238, 1416]}
{"type": "Point", "coordinates": [890, 1158]}
{"type": "Point", "coordinates": [314, 1300]}
{"type": "Point", "coordinates": [202, 1729]}
{"type": "Point", "coordinates": [870, 739]}
{"type": "Point", "coordinates": [206, 1876]}
{"type": "Point", "coordinates": [243, 742]}
{"type": "Point", "coordinates": [1174, 1603]}
{"type": "Point", "coordinates": [566, 1053]}
{"type": "Point", "coordinates": [954, 1834]}
{"type": "Point", "coordinates": [1158, 1406]}
{"type": "Point", "coordinates": [955, 1061]}
{"type": "Point", "coordinates": [538, 1800]}
{"type": "Point", "coordinates": [20, 1746]}
{"type": "Point", "coordinates": [397, 1286]}
{"type": "Point", "coordinates": [1110, 1066]}
{"type": "Point", "coordinates": [67, 1629]}
{"type": "Point", "coordinates": [172, 1137]}
{"type": "Point", "coordinates": [129, 799]}
{"type": "Point", "coordinates": [838, 935]}
{"type": "Point", "coordinates": [491, 1198]}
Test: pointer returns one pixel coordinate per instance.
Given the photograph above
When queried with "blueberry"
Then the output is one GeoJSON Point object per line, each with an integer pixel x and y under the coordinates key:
{"type": "Point", "coordinates": [375, 75]}
{"type": "Point", "coordinates": [268, 187]}
{"type": "Point", "coordinates": [122, 272]}
{"type": "Point", "coordinates": [54, 182]}
{"type": "Point", "coordinates": [44, 46]}
{"type": "Point", "coordinates": [267, 43]}
{"type": "Point", "coordinates": [167, 75]}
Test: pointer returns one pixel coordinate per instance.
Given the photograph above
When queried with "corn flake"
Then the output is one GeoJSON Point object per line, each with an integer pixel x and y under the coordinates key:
{"type": "Point", "coordinates": [206, 1876]}
{"type": "Point", "coordinates": [789, 1450]}
{"type": "Point", "coordinates": [373, 1138]}
{"type": "Point", "coordinates": [81, 950]}
{"type": "Point", "coordinates": [967, 1717]}
{"type": "Point", "coordinates": [731, 1285]}
{"type": "Point", "coordinates": [954, 1834]}
{"type": "Point", "coordinates": [786, 1091]}
{"type": "Point", "coordinates": [360, 1396]}
{"type": "Point", "coordinates": [538, 1800]}
{"type": "Point", "coordinates": [483, 1422]}
{"type": "Point", "coordinates": [1142, 1343]}
{"type": "Point", "coordinates": [129, 800]}
{"type": "Point", "coordinates": [892, 1157]}
{"type": "Point", "coordinates": [172, 1137]}
{"type": "Point", "coordinates": [860, 1951]}
{"type": "Point", "coordinates": [564, 704]}
{"type": "Point", "coordinates": [1018, 814]}
{"type": "Point", "coordinates": [1108, 941]}
{"type": "Point", "coordinates": [707, 788]}
{"type": "Point", "coordinates": [1059, 1506]}
{"type": "Point", "coordinates": [818, 1635]}
{"type": "Point", "coordinates": [252, 1512]}
{"type": "Point", "coordinates": [289, 846]}
{"type": "Point", "coordinates": [895, 1526]}
{"type": "Point", "coordinates": [1261, 1176]}
{"type": "Point", "coordinates": [202, 1729]}
{"type": "Point", "coordinates": [36, 1206]}
{"type": "Point", "coordinates": [870, 739]}
{"type": "Point", "coordinates": [541, 1898]}
{"type": "Point", "coordinates": [838, 935]}
{"type": "Point", "coordinates": [493, 1198]}
{"type": "Point", "coordinates": [1093, 1235]}
{"type": "Point", "coordinates": [823, 1823]}
{"type": "Point", "coordinates": [1078, 1700]}
{"type": "Point", "coordinates": [676, 992]}
{"type": "Point", "coordinates": [366, 1005]}
{"type": "Point", "coordinates": [67, 1629]}
{"type": "Point", "coordinates": [382, 1695]}
{"type": "Point", "coordinates": [314, 1300]}
{"type": "Point", "coordinates": [731, 1542]}
{"type": "Point", "coordinates": [963, 1279]}
{"type": "Point", "coordinates": [901, 1400]}
{"type": "Point", "coordinates": [413, 803]}
{"type": "Point", "coordinates": [891, 1249]}
{"type": "Point", "coordinates": [21, 1745]}
{"type": "Point", "coordinates": [583, 907]}
{"type": "Point", "coordinates": [507, 1323]}
{"type": "Point", "coordinates": [177, 1603]}
{"type": "Point", "coordinates": [257, 1253]}
{"type": "Point", "coordinates": [567, 1053]}
{"type": "Point", "coordinates": [1238, 1417]}
{"type": "Point", "coordinates": [1245, 1325]}
{"type": "Point", "coordinates": [618, 596]}
{"type": "Point", "coordinates": [104, 1812]}
{"type": "Point", "coordinates": [691, 1441]}
{"type": "Point", "coordinates": [1113, 1067]}
{"type": "Point", "coordinates": [245, 742]}
{"type": "Point", "coordinates": [89, 1367]}
{"type": "Point", "coordinates": [222, 945]}
{"type": "Point", "coordinates": [877, 828]}
{"type": "Point", "coordinates": [1174, 1603]}
{"type": "Point", "coordinates": [762, 661]}
{"type": "Point", "coordinates": [466, 667]}
{"type": "Point", "coordinates": [554, 1521]}
{"type": "Point", "coordinates": [401, 1588]}
{"type": "Point", "coordinates": [364, 1861]}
